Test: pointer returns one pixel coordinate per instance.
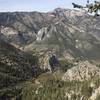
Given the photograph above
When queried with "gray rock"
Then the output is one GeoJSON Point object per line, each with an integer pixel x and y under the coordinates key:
{"type": "Point", "coordinates": [84, 70]}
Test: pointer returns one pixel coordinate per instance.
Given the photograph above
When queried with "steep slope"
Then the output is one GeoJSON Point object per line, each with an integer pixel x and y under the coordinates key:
{"type": "Point", "coordinates": [65, 30]}
{"type": "Point", "coordinates": [15, 65]}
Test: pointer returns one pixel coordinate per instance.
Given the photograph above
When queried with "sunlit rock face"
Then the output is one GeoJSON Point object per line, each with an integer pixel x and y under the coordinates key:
{"type": "Point", "coordinates": [66, 30]}
{"type": "Point", "coordinates": [82, 71]}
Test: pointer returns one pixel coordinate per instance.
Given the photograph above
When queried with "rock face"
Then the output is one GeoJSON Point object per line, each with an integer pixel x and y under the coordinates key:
{"type": "Point", "coordinates": [95, 94]}
{"type": "Point", "coordinates": [44, 62]}
{"type": "Point", "coordinates": [82, 71]}
{"type": "Point", "coordinates": [65, 30]}
{"type": "Point", "coordinates": [48, 61]}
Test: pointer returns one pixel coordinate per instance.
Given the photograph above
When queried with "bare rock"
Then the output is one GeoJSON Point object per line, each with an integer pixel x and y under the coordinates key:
{"type": "Point", "coordinates": [95, 94]}
{"type": "Point", "coordinates": [82, 71]}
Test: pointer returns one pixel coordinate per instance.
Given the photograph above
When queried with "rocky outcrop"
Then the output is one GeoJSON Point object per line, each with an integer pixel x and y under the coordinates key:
{"type": "Point", "coordinates": [48, 61]}
{"type": "Point", "coordinates": [82, 71]}
{"type": "Point", "coordinates": [44, 62]}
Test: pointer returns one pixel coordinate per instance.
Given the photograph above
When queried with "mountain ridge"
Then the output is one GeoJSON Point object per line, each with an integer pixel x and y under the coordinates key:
{"type": "Point", "coordinates": [74, 30]}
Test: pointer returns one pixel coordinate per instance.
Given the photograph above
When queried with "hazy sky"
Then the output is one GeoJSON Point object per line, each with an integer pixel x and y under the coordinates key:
{"type": "Point", "coordinates": [36, 5]}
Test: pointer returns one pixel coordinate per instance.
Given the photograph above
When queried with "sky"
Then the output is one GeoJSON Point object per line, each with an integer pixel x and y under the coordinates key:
{"type": "Point", "coordinates": [36, 5]}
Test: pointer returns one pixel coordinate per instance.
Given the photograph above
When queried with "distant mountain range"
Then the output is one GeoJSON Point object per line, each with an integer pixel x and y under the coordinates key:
{"type": "Point", "coordinates": [67, 31]}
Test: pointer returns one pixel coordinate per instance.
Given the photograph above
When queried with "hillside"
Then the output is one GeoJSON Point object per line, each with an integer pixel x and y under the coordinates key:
{"type": "Point", "coordinates": [15, 67]}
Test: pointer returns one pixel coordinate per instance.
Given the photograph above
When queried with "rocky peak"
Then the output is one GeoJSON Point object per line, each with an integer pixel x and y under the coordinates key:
{"type": "Point", "coordinates": [61, 12]}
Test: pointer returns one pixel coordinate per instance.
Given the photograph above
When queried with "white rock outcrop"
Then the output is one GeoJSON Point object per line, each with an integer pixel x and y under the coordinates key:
{"type": "Point", "coordinates": [95, 94]}
{"type": "Point", "coordinates": [84, 70]}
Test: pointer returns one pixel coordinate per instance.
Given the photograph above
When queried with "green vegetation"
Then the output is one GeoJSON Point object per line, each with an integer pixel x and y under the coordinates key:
{"type": "Point", "coordinates": [15, 68]}
{"type": "Point", "coordinates": [98, 65]}
{"type": "Point", "coordinates": [55, 89]}
{"type": "Point", "coordinates": [98, 97]}
{"type": "Point", "coordinates": [65, 65]}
